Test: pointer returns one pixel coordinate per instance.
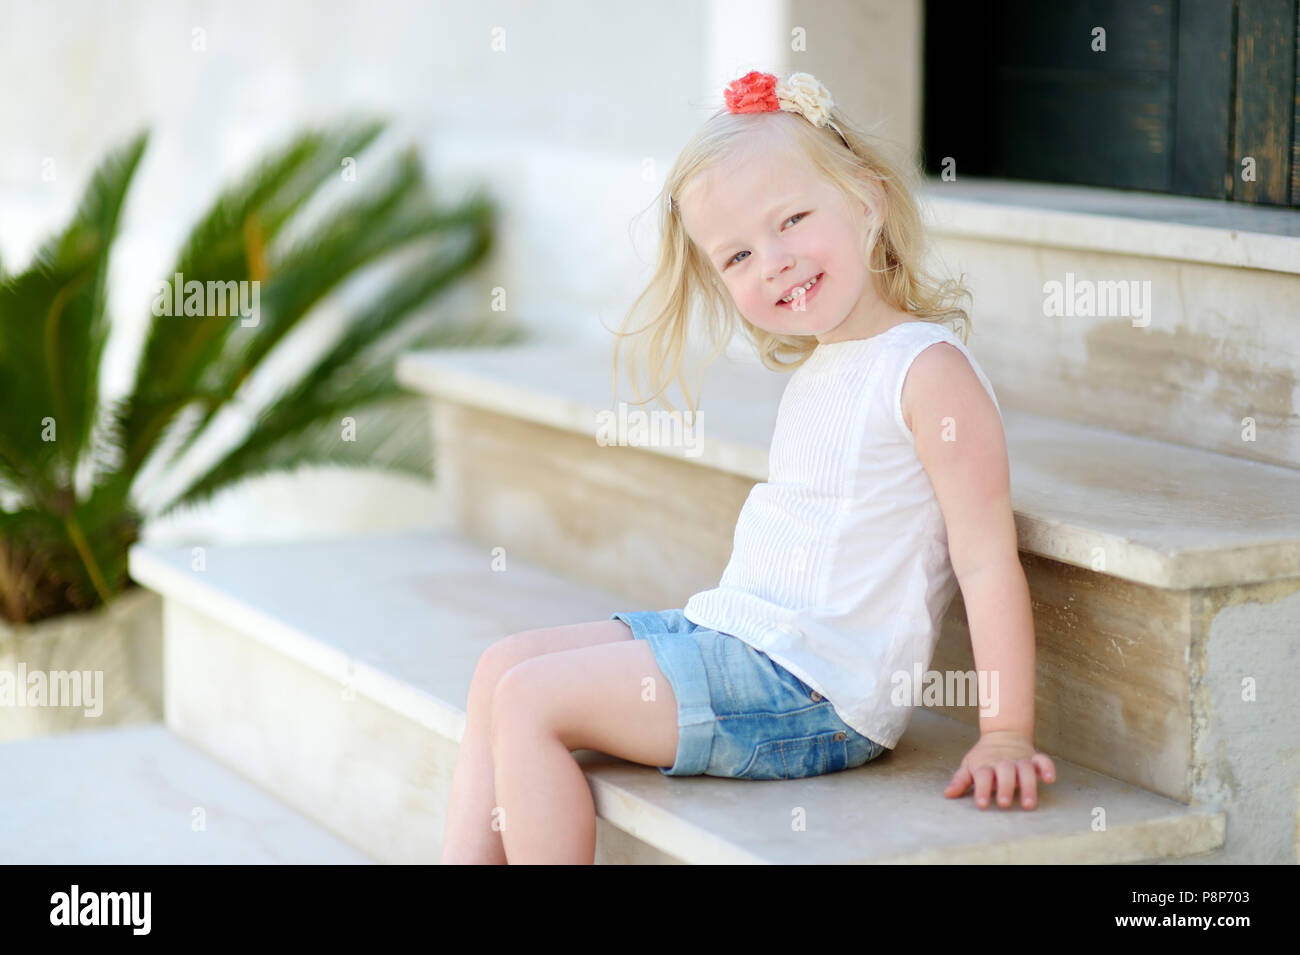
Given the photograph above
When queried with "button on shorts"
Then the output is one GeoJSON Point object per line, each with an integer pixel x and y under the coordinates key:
{"type": "Point", "coordinates": [739, 713]}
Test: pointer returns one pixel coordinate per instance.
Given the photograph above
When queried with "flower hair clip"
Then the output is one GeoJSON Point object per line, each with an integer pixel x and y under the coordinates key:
{"type": "Point", "coordinates": [802, 93]}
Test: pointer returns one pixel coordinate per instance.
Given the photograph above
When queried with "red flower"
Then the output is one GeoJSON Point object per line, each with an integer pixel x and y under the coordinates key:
{"type": "Point", "coordinates": [754, 92]}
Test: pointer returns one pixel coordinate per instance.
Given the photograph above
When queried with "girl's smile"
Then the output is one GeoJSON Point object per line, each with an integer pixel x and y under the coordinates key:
{"type": "Point", "coordinates": [802, 298]}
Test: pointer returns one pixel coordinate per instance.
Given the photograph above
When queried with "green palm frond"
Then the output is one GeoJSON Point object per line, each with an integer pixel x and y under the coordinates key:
{"type": "Point", "coordinates": [388, 427]}
{"type": "Point", "coordinates": [355, 372]}
{"type": "Point", "coordinates": [227, 244]}
{"type": "Point", "coordinates": [60, 551]}
{"type": "Point", "coordinates": [54, 331]}
{"type": "Point", "coordinates": [360, 233]}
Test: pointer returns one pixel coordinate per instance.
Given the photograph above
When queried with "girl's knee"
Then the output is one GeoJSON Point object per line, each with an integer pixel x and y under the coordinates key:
{"type": "Point", "coordinates": [521, 694]}
{"type": "Point", "coordinates": [492, 664]}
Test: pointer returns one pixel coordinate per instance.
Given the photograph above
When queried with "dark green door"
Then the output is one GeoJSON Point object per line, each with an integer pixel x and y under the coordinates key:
{"type": "Point", "coordinates": [1192, 97]}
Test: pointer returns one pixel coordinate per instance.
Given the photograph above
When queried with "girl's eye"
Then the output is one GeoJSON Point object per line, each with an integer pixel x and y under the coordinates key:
{"type": "Point", "coordinates": [797, 215]}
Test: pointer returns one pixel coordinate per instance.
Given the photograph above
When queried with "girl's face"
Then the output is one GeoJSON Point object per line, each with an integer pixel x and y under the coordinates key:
{"type": "Point", "coordinates": [769, 222]}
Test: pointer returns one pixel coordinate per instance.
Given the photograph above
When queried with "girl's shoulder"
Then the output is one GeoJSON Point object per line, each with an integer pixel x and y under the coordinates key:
{"type": "Point", "coordinates": [904, 338]}
{"type": "Point", "coordinates": [925, 373]}
{"type": "Point", "coordinates": [923, 327]}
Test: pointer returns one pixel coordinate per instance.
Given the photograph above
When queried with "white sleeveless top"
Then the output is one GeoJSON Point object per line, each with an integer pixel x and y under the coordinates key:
{"type": "Point", "coordinates": [839, 569]}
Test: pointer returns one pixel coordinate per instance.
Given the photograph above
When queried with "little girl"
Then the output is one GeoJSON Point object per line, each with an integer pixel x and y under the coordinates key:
{"type": "Point", "coordinates": [887, 489]}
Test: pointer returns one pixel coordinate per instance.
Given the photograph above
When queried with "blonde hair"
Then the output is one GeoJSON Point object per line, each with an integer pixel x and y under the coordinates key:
{"type": "Point", "coordinates": [685, 280]}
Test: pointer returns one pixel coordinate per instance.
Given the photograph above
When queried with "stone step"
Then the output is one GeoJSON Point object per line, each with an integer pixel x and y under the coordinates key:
{"type": "Point", "coordinates": [138, 795]}
{"type": "Point", "coordinates": [1211, 360]}
{"type": "Point", "coordinates": [1152, 566]}
{"type": "Point", "coordinates": [1148, 511]}
{"type": "Point", "coordinates": [334, 673]}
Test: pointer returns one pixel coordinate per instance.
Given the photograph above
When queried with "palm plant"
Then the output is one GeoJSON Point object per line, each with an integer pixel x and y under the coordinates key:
{"type": "Point", "coordinates": [70, 470]}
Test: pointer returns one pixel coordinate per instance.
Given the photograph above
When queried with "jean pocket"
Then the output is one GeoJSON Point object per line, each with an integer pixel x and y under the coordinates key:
{"type": "Point", "coordinates": [793, 692]}
{"type": "Point", "coordinates": [798, 758]}
{"type": "Point", "coordinates": [861, 750]}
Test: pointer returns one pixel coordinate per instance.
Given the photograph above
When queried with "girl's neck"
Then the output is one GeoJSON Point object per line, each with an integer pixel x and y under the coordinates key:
{"type": "Point", "coordinates": [863, 332]}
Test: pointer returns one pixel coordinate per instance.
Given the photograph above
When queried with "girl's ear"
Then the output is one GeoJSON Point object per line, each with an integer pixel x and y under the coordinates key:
{"type": "Point", "coordinates": [866, 211]}
{"type": "Point", "coordinates": [875, 211]}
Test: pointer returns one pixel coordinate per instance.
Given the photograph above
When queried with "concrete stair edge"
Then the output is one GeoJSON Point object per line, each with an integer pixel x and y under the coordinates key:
{"type": "Point", "coordinates": [1052, 524]}
{"type": "Point", "coordinates": [148, 784]}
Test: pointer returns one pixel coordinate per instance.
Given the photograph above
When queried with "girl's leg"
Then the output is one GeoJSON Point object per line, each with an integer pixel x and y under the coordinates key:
{"type": "Point", "coordinates": [613, 699]}
{"type": "Point", "coordinates": [472, 834]}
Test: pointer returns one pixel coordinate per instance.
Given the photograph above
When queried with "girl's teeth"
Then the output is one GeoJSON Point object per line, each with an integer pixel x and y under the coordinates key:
{"type": "Point", "coordinates": [800, 291]}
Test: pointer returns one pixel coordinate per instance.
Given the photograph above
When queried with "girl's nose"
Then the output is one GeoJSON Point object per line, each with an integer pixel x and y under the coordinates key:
{"type": "Point", "coordinates": [778, 263]}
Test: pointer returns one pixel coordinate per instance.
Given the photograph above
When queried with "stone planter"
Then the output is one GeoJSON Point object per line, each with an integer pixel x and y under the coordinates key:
{"type": "Point", "coordinates": [83, 671]}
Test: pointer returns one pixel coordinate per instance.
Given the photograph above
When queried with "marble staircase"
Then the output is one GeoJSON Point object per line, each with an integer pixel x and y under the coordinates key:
{"type": "Point", "coordinates": [334, 675]}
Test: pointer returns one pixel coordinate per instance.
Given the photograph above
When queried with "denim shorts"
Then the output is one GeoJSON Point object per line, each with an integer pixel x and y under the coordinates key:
{"type": "Point", "coordinates": [739, 713]}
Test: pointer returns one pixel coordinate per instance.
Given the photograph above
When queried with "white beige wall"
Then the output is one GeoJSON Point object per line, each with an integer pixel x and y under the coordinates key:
{"type": "Point", "coordinates": [868, 53]}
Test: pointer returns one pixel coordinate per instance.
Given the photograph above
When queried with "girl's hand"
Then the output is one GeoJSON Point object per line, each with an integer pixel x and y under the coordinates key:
{"type": "Point", "coordinates": [1009, 756]}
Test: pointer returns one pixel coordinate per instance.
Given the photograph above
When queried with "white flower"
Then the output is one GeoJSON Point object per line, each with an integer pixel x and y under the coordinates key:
{"type": "Point", "coordinates": [803, 93]}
